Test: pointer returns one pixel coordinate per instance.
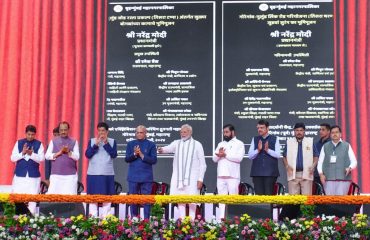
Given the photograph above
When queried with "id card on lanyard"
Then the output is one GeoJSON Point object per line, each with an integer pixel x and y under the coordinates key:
{"type": "Point", "coordinates": [333, 157]}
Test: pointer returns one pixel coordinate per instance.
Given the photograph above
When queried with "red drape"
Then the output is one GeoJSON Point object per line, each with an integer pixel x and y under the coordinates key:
{"type": "Point", "coordinates": [51, 69]}
{"type": "Point", "coordinates": [352, 77]}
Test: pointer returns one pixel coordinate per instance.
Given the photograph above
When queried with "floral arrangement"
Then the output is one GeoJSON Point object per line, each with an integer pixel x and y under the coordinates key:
{"type": "Point", "coordinates": [244, 227]}
{"type": "Point", "coordinates": [164, 199]}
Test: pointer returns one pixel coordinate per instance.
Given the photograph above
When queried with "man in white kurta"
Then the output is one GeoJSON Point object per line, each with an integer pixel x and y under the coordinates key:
{"type": "Point", "coordinates": [189, 166]}
{"type": "Point", "coordinates": [63, 152]}
{"type": "Point", "coordinates": [27, 155]}
{"type": "Point", "coordinates": [228, 155]}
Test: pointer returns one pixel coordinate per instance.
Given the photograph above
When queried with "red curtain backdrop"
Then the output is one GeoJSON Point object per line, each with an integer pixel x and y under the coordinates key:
{"type": "Point", "coordinates": [352, 77]}
{"type": "Point", "coordinates": [51, 68]}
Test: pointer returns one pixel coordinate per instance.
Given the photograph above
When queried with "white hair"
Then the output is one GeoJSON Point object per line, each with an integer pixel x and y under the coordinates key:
{"type": "Point", "coordinates": [141, 127]}
{"type": "Point", "coordinates": [187, 126]}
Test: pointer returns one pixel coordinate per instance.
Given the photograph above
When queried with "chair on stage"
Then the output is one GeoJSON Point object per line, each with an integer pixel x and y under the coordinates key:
{"type": "Point", "coordinates": [43, 187]}
{"type": "Point", "coordinates": [246, 189]}
{"type": "Point", "coordinates": [201, 208]}
{"type": "Point", "coordinates": [279, 189]}
{"type": "Point", "coordinates": [117, 189]}
{"type": "Point", "coordinates": [354, 189]}
{"type": "Point", "coordinates": [80, 188]}
{"type": "Point", "coordinates": [317, 189]}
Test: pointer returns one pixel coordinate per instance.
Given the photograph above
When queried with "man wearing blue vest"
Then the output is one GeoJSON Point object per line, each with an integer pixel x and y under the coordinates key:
{"type": "Point", "coordinates": [264, 152]}
{"type": "Point", "coordinates": [141, 154]}
{"type": "Point", "coordinates": [27, 155]}
{"type": "Point", "coordinates": [336, 163]}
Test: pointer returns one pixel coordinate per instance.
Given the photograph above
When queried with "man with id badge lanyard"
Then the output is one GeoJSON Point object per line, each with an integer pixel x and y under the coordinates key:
{"type": "Point", "coordinates": [336, 163]}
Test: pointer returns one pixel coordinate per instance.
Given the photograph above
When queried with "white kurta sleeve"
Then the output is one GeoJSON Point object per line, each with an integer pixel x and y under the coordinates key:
{"type": "Point", "coordinates": [75, 152]}
{"type": "Point", "coordinates": [170, 148]}
{"type": "Point", "coordinates": [321, 161]}
{"type": "Point", "coordinates": [49, 152]}
{"type": "Point", "coordinates": [215, 158]}
{"type": "Point", "coordinates": [16, 155]}
{"type": "Point", "coordinates": [276, 153]}
{"type": "Point", "coordinates": [201, 160]}
{"type": "Point", "coordinates": [252, 153]}
{"type": "Point", "coordinates": [352, 158]}
{"type": "Point", "coordinates": [236, 154]}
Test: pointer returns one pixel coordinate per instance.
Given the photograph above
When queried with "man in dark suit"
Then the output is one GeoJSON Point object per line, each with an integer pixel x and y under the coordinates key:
{"type": "Point", "coordinates": [141, 154]}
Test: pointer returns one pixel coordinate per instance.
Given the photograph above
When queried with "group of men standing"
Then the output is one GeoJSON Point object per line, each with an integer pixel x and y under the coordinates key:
{"type": "Point", "coordinates": [329, 161]}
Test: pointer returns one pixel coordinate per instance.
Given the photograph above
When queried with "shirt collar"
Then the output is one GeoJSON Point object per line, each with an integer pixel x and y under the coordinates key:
{"type": "Point", "coordinates": [335, 144]}
{"type": "Point", "coordinates": [266, 136]}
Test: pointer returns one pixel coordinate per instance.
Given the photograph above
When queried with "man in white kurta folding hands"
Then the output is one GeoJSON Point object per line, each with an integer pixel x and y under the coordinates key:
{"type": "Point", "coordinates": [228, 155]}
{"type": "Point", "coordinates": [27, 155]}
{"type": "Point", "coordinates": [189, 166]}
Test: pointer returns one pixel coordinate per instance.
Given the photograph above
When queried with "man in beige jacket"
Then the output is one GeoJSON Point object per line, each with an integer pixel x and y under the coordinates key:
{"type": "Point", "coordinates": [300, 159]}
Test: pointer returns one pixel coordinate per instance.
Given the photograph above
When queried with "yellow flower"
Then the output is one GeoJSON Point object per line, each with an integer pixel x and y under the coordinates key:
{"type": "Point", "coordinates": [80, 217]}
{"type": "Point", "coordinates": [4, 197]}
{"type": "Point", "coordinates": [231, 199]}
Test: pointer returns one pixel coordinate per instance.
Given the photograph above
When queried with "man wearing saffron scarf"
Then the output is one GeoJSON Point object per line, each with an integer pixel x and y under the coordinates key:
{"type": "Point", "coordinates": [27, 155]}
{"type": "Point", "coordinates": [64, 153]}
{"type": "Point", "coordinates": [189, 166]}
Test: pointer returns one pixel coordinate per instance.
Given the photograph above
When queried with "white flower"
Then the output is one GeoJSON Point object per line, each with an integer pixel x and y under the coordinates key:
{"type": "Point", "coordinates": [31, 220]}
{"type": "Point", "coordinates": [34, 225]}
{"type": "Point", "coordinates": [73, 227]}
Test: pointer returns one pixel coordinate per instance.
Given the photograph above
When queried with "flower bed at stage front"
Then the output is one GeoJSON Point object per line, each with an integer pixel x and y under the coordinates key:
{"type": "Point", "coordinates": [80, 227]}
